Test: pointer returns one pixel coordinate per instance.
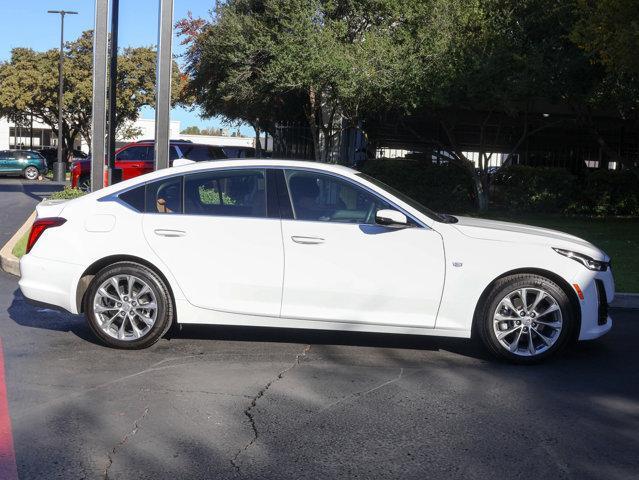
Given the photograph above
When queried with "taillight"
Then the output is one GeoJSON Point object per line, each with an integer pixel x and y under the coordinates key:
{"type": "Point", "coordinates": [38, 228]}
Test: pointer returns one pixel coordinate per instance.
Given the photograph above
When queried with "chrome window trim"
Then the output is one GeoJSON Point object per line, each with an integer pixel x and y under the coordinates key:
{"type": "Point", "coordinates": [114, 197]}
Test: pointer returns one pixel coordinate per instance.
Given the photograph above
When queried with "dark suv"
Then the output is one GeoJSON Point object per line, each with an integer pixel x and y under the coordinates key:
{"type": "Point", "coordinates": [138, 158]}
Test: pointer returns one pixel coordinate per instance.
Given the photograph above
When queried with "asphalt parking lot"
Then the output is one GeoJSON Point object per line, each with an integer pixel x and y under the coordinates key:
{"type": "Point", "coordinates": [222, 402]}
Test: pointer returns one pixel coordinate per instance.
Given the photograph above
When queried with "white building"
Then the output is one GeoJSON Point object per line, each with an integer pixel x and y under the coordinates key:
{"type": "Point", "coordinates": [15, 136]}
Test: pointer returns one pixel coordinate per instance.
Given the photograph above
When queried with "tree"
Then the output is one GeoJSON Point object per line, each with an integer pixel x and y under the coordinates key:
{"type": "Point", "coordinates": [608, 32]}
{"type": "Point", "coordinates": [29, 85]}
{"type": "Point", "coordinates": [261, 62]}
{"type": "Point", "coordinates": [495, 61]}
{"type": "Point", "coordinates": [191, 130]}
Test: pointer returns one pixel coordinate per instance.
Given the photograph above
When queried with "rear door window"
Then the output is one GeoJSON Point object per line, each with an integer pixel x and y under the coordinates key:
{"type": "Point", "coordinates": [234, 193]}
{"type": "Point", "coordinates": [164, 196]}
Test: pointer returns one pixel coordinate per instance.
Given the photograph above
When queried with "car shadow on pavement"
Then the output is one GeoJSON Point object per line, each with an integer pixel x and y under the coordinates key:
{"type": "Point", "coordinates": [327, 338]}
{"type": "Point", "coordinates": [29, 315]}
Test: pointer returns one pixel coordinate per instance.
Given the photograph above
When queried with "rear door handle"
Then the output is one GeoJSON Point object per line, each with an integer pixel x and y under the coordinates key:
{"type": "Point", "coordinates": [169, 233]}
{"type": "Point", "coordinates": [307, 240]}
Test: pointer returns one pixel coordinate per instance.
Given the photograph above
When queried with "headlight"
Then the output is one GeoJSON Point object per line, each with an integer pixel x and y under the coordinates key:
{"type": "Point", "coordinates": [585, 260]}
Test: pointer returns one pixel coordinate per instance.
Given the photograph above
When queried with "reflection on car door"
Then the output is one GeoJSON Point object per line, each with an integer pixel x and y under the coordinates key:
{"type": "Point", "coordinates": [213, 232]}
{"type": "Point", "coordinates": [10, 161]}
{"type": "Point", "coordinates": [342, 267]}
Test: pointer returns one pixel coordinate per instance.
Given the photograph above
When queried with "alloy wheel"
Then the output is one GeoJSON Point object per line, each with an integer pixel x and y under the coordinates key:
{"type": "Point", "coordinates": [85, 185]}
{"type": "Point", "coordinates": [527, 321]}
{"type": "Point", "coordinates": [31, 173]}
{"type": "Point", "coordinates": [125, 307]}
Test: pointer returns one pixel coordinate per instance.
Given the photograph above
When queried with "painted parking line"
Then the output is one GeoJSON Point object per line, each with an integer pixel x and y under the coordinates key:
{"type": "Point", "coordinates": [8, 468]}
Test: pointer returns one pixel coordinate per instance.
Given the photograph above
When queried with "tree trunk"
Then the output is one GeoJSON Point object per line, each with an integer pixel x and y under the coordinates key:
{"type": "Point", "coordinates": [258, 142]}
{"type": "Point", "coordinates": [311, 117]}
{"type": "Point", "coordinates": [481, 194]}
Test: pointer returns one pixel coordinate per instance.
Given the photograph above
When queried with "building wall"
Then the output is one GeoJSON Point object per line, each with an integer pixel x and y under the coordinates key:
{"type": "Point", "coordinates": [4, 134]}
{"type": "Point", "coordinates": [146, 129]}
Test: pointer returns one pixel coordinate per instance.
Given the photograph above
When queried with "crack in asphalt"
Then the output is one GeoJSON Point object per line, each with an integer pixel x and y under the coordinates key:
{"type": "Point", "coordinates": [121, 443]}
{"type": "Point", "coordinates": [260, 394]}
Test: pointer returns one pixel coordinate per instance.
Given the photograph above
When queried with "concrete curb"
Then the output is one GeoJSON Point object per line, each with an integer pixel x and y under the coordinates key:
{"type": "Point", "coordinates": [8, 261]}
{"type": "Point", "coordinates": [625, 300]}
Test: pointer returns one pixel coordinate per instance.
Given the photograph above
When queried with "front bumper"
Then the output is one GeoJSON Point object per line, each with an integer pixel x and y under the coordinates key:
{"type": "Point", "coordinates": [595, 320]}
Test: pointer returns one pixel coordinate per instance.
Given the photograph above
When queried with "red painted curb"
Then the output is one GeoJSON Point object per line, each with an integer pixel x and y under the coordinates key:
{"type": "Point", "coordinates": [8, 467]}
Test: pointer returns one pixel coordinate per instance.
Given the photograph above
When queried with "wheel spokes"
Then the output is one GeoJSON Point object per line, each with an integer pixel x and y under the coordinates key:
{"type": "Point", "coordinates": [514, 346]}
{"type": "Point", "coordinates": [118, 312]}
{"type": "Point", "coordinates": [517, 324]}
{"type": "Point", "coordinates": [553, 308]}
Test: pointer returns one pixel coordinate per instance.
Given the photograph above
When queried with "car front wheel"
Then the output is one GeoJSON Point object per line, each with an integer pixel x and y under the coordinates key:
{"type": "Point", "coordinates": [526, 318]}
{"type": "Point", "coordinates": [128, 306]}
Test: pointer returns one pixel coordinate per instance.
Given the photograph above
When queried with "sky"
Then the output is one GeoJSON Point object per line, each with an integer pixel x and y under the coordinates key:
{"type": "Point", "coordinates": [138, 27]}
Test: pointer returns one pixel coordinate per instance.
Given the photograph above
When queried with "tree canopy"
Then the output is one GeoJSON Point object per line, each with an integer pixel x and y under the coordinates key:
{"type": "Point", "coordinates": [29, 85]}
{"type": "Point", "coordinates": [332, 62]}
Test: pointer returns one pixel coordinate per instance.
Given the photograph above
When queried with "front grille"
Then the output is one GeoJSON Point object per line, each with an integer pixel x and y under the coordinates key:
{"type": "Point", "coordinates": [602, 317]}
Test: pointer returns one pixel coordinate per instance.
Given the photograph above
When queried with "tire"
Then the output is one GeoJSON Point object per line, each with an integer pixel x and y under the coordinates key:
{"type": "Point", "coordinates": [123, 320]}
{"type": "Point", "coordinates": [31, 173]}
{"type": "Point", "coordinates": [84, 183]}
{"type": "Point", "coordinates": [548, 319]}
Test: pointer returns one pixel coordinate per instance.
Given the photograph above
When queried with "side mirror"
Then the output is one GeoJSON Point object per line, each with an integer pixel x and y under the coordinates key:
{"type": "Point", "coordinates": [391, 218]}
{"type": "Point", "coordinates": [178, 162]}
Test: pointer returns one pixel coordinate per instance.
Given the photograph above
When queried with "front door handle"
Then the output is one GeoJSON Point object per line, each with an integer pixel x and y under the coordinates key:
{"type": "Point", "coordinates": [307, 240]}
{"type": "Point", "coordinates": [169, 233]}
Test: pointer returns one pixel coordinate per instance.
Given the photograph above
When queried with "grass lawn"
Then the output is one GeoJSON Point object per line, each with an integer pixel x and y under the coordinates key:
{"type": "Point", "coordinates": [618, 237]}
{"type": "Point", "coordinates": [20, 247]}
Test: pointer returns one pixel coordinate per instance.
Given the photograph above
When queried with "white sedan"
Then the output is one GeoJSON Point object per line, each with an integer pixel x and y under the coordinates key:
{"type": "Point", "coordinates": [275, 243]}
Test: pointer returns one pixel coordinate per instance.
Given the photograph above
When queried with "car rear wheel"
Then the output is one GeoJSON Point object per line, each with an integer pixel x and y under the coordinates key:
{"type": "Point", "coordinates": [84, 183]}
{"type": "Point", "coordinates": [31, 173]}
{"type": "Point", "coordinates": [128, 306]}
{"type": "Point", "coordinates": [526, 318]}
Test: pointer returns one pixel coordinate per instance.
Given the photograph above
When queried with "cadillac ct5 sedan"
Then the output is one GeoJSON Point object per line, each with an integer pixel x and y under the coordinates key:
{"type": "Point", "coordinates": [293, 244]}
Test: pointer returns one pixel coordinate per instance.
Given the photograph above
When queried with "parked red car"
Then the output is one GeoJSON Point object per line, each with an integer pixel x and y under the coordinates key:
{"type": "Point", "coordinates": [138, 158]}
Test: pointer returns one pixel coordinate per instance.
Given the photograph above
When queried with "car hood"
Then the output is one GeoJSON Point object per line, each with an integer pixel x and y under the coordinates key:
{"type": "Point", "coordinates": [515, 232]}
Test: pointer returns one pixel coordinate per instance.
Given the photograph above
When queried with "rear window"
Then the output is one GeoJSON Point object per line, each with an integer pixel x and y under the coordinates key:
{"type": "Point", "coordinates": [164, 196]}
{"type": "Point", "coordinates": [199, 153]}
{"type": "Point", "coordinates": [134, 198]}
{"type": "Point", "coordinates": [161, 196]}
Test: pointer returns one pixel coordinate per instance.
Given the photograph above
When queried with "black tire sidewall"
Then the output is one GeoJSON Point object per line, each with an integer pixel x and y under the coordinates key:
{"type": "Point", "coordinates": [163, 300]}
{"type": "Point", "coordinates": [509, 284]}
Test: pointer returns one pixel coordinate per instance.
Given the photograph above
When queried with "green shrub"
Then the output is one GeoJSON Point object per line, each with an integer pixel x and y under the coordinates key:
{"type": "Point", "coordinates": [210, 196]}
{"type": "Point", "coordinates": [67, 194]}
{"type": "Point", "coordinates": [444, 188]}
{"type": "Point", "coordinates": [521, 188]}
{"type": "Point", "coordinates": [607, 192]}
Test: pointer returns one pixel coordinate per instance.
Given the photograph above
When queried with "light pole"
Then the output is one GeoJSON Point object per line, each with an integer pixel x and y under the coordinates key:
{"type": "Point", "coordinates": [113, 88]}
{"type": "Point", "coordinates": [59, 174]}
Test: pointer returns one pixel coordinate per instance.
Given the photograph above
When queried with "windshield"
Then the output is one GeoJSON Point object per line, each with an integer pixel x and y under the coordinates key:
{"type": "Point", "coordinates": [405, 198]}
